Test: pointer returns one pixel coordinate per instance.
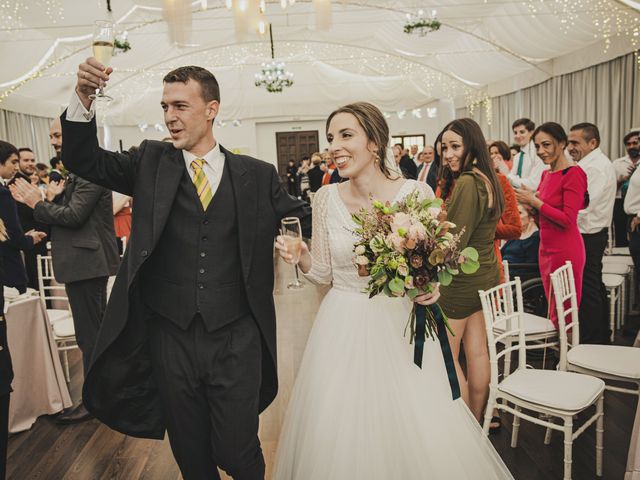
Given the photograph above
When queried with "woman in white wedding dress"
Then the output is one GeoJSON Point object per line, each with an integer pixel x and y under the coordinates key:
{"type": "Point", "coordinates": [360, 408]}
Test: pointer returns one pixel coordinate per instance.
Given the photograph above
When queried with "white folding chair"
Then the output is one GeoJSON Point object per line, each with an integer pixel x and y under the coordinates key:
{"type": "Point", "coordinates": [61, 319]}
{"type": "Point", "coordinates": [622, 265]}
{"type": "Point", "coordinates": [614, 284]}
{"type": "Point", "coordinates": [553, 394]}
{"type": "Point", "coordinates": [608, 362]}
{"type": "Point", "coordinates": [539, 332]}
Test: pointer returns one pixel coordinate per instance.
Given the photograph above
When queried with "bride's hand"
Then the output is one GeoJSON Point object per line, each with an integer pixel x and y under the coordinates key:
{"type": "Point", "coordinates": [429, 298]}
{"type": "Point", "coordinates": [286, 253]}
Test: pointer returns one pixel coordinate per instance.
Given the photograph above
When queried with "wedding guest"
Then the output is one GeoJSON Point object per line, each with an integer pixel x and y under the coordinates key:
{"type": "Point", "coordinates": [527, 166]}
{"type": "Point", "coordinates": [303, 178]}
{"type": "Point", "coordinates": [291, 173]}
{"type": "Point", "coordinates": [407, 167]}
{"type": "Point", "coordinates": [6, 370]}
{"type": "Point", "coordinates": [427, 157]}
{"type": "Point", "coordinates": [561, 195]}
{"type": "Point", "coordinates": [413, 154]}
{"type": "Point", "coordinates": [509, 226]}
{"type": "Point", "coordinates": [122, 219]}
{"type": "Point", "coordinates": [624, 167]}
{"type": "Point", "coordinates": [632, 208]}
{"type": "Point", "coordinates": [315, 173]}
{"type": "Point", "coordinates": [14, 272]}
{"type": "Point", "coordinates": [83, 250]}
{"type": "Point", "coordinates": [515, 150]}
{"type": "Point", "coordinates": [26, 170]}
{"type": "Point", "coordinates": [501, 155]}
{"type": "Point", "coordinates": [594, 222]}
{"type": "Point", "coordinates": [524, 249]}
{"type": "Point", "coordinates": [475, 205]}
{"type": "Point", "coordinates": [43, 172]}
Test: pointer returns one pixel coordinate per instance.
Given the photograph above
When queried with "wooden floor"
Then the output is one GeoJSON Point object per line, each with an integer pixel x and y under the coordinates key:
{"type": "Point", "coordinates": [92, 451]}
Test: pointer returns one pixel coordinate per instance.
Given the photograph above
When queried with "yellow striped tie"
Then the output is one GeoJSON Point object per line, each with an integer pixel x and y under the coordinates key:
{"type": "Point", "coordinates": [200, 180]}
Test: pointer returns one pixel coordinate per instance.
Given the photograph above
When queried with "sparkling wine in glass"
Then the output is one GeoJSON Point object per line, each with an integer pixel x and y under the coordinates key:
{"type": "Point", "coordinates": [103, 43]}
{"type": "Point", "coordinates": [292, 236]}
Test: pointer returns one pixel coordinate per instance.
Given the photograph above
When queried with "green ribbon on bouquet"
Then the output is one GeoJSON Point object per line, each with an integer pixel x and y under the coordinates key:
{"type": "Point", "coordinates": [436, 315]}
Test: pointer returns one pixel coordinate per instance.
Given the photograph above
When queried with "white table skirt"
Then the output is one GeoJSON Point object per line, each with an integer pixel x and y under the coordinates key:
{"type": "Point", "coordinates": [39, 386]}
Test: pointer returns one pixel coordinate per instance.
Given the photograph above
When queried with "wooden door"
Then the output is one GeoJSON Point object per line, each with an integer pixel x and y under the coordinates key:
{"type": "Point", "coordinates": [294, 146]}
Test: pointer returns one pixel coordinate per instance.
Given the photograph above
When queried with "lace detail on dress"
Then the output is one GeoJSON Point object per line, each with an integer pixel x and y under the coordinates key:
{"type": "Point", "coordinates": [333, 239]}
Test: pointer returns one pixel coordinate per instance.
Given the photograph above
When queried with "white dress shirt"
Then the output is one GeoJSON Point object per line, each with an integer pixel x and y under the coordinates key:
{"type": "Point", "coordinates": [214, 159]}
{"type": "Point", "coordinates": [424, 172]}
{"type": "Point", "coordinates": [632, 198]}
{"type": "Point", "coordinates": [532, 168]}
{"type": "Point", "coordinates": [601, 185]}
{"type": "Point", "coordinates": [621, 166]}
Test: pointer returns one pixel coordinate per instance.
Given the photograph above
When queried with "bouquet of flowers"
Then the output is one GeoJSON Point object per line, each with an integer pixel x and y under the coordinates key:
{"type": "Point", "coordinates": [406, 247]}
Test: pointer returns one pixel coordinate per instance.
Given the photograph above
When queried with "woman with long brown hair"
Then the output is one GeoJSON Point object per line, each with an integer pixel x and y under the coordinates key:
{"type": "Point", "coordinates": [474, 206]}
{"type": "Point", "coordinates": [360, 407]}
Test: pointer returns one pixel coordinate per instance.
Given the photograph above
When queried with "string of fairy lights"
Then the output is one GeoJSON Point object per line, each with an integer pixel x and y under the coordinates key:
{"type": "Point", "coordinates": [609, 19]}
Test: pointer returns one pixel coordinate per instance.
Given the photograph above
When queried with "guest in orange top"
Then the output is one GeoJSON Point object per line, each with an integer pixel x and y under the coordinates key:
{"type": "Point", "coordinates": [509, 227]}
{"type": "Point", "coordinates": [500, 153]}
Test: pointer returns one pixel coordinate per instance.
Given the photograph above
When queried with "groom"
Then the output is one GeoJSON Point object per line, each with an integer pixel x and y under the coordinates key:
{"type": "Point", "coordinates": [188, 342]}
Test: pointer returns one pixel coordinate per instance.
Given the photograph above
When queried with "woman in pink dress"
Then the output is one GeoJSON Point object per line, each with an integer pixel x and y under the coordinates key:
{"type": "Point", "coordinates": [561, 194]}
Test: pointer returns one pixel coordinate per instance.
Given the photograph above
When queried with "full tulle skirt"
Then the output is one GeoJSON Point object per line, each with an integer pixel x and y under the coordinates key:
{"type": "Point", "coordinates": [361, 409]}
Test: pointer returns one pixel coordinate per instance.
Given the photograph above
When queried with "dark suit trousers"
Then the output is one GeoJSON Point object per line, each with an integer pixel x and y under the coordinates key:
{"type": "Point", "coordinates": [594, 308]}
{"type": "Point", "coordinates": [88, 301]}
{"type": "Point", "coordinates": [4, 433]}
{"type": "Point", "coordinates": [209, 386]}
{"type": "Point", "coordinates": [620, 222]}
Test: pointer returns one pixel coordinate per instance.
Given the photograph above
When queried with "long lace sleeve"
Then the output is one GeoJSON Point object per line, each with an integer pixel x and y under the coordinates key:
{"type": "Point", "coordinates": [424, 190]}
{"type": "Point", "coordinates": [320, 272]}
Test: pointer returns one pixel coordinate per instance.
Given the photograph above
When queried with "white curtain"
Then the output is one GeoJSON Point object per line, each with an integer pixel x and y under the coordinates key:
{"type": "Point", "coordinates": [24, 130]}
{"type": "Point", "coordinates": [607, 95]}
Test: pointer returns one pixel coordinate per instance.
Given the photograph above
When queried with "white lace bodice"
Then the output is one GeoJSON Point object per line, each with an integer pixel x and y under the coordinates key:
{"type": "Point", "coordinates": [333, 239]}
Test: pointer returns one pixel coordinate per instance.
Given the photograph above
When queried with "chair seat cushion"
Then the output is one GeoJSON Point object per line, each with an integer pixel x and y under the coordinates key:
{"type": "Point", "coordinates": [64, 328]}
{"type": "Point", "coordinates": [57, 314]}
{"type": "Point", "coordinates": [533, 324]}
{"type": "Point", "coordinates": [617, 260]}
{"type": "Point", "coordinates": [611, 359]}
{"type": "Point", "coordinates": [550, 388]}
{"type": "Point", "coordinates": [612, 280]}
{"type": "Point", "coordinates": [615, 268]}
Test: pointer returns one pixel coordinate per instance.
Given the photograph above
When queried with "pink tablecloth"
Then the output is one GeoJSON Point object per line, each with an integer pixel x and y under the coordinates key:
{"type": "Point", "coordinates": [39, 386]}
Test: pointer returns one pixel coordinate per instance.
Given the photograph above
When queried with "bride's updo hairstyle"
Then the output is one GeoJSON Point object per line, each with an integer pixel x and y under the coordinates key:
{"type": "Point", "coordinates": [375, 127]}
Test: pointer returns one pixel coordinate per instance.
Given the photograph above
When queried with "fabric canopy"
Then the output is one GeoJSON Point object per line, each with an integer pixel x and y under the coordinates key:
{"type": "Point", "coordinates": [364, 55]}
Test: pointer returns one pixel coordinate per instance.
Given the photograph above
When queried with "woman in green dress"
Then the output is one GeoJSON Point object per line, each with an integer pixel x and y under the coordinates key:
{"type": "Point", "coordinates": [475, 205]}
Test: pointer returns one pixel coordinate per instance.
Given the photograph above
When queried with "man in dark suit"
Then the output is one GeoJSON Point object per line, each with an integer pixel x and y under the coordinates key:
{"type": "Point", "coordinates": [84, 254]}
{"type": "Point", "coordinates": [26, 168]}
{"type": "Point", "coordinates": [407, 167]}
{"type": "Point", "coordinates": [188, 342]}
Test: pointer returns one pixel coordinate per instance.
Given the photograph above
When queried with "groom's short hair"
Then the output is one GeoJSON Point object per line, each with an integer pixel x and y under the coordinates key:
{"type": "Point", "coordinates": [208, 83]}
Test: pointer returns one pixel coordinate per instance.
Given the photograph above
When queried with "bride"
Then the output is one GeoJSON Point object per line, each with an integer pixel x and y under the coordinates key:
{"type": "Point", "coordinates": [360, 408]}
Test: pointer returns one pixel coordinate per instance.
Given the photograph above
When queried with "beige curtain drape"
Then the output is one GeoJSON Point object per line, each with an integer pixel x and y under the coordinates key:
{"type": "Point", "coordinates": [24, 130]}
{"type": "Point", "coordinates": [607, 95]}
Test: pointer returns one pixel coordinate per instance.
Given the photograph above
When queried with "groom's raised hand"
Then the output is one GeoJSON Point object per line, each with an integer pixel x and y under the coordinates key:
{"type": "Point", "coordinates": [91, 74]}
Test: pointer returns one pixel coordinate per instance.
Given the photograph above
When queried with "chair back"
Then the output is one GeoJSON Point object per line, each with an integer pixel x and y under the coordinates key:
{"type": "Point", "coordinates": [505, 269]}
{"type": "Point", "coordinates": [503, 318]}
{"type": "Point", "coordinates": [46, 282]}
{"type": "Point", "coordinates": [566, 298]}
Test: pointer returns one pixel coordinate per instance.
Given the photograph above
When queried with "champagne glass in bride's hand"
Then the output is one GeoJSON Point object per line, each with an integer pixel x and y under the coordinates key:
{"type": "Point", "coordinates": [292, 237]}
{"type": "Point", "coordinates": [103, 43]}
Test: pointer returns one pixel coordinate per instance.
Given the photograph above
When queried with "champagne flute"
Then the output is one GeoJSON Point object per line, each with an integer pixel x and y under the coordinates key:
{"type": "Point", "coordinates": [103, 43]}
{"type": "Point", "coordinates": [292, 237]}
